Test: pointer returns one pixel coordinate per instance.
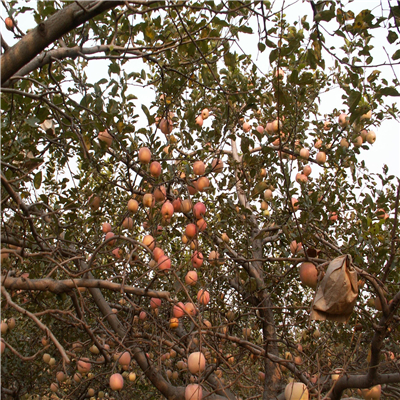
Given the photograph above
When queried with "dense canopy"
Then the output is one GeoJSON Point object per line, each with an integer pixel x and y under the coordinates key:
{"type": "Point", "coordinates": [186, 206]}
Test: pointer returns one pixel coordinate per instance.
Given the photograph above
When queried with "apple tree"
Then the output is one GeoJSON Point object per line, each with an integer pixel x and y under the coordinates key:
{"type": "Point", "coordinates": [186, 205]}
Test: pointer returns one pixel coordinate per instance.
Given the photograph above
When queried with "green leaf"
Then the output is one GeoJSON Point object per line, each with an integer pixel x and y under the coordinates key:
{"type": "Point", "coordinates": [32, 121]}
{"type": "Point", "coordinates": [389, 91]}
{"type": "Point", "coordinates": [396, 55]}
{"type": "Point", "coordinates": [245, 29]}
{"type": "Point", "coordinates": [261, 46]}
{"type": "Point", "coordinates": [392, 37]}
{"type": "Point", "coordinates": [353, 100]}
{"type": "Point", "coordinates": [37, 180]}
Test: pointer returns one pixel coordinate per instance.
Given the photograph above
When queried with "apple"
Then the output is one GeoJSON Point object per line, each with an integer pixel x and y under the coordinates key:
{"type": "Point", "coordinates": [296, 391]}
{"type": "Point", "coordinates": [157, 253]}
{"type": "Point", "coordinates": [132, 377]}
{"type": "Point", "coordinates": [201, 224]}
{"type": "Point", "coordinates": [199, 120]}
{"type": "Point", "coordinates": [308, 274]}
{"type": "Point", "coordinates": [160, 193]}
{"type": "Point", "coordinates": [178, 310]}
{"type": "Point", "coordinates": [116, 382]}
{"type": "Point", "coordinates": [333, 216]}
{"type": "Point", "coordinates": [263, 172]}
{"type": "Point", "coordinates": [358, 141]}
{"type": "Point", "coordinates": [106, 227]}
{"type": "Point", "coordinates": [166, 126]}
{"type": "Point", "coordinates": [205, 113]}
{"type": "Point", "coordinates": [155, 302]}
{"type": "Point", "coordinates": [144, 155]}
{"type": "Point", "coordinates": [148, 199]}
{"type": "Point", "coordinates": [191, 231]}
{"type": "Point", "coordinates": [167, 210]}
{"type": "Point", "coordinates": [343, 120]}
{"type": "Point", "coordinates": [54, 387]}
{"type": "Point", "coordinates": [83, 365]}
{"type": "Point", "coordinates": [371, 137]}
{"type": "Point", "coordinates": [246, 127]}
{"type": "Point", "coordinates": [280, 73]}
{"type": "Point", "coordinates": [127, 223]}
{"type": "Point", "coordinates": [190, 309]}
{"type": "Point", "coordinates": [9, 23]}
{"type": "Point", "coordinates": [143, 315]}
{"type": "Point", "coordinates": [199, 167]}
{"type": "Point", "coordinates": [105, 137]}
{"type": "Point", "coordinates": [196, 362]}
{"type": "Point", "coordinates": [60, 376]}
{"type": "Point", "coordinates": [327, 125]}
{"type": "Point", "coordinates": [197, 259]}
{"type": "Point", "coordinates": [94, 350]}
{"type": "Point", "coordinates": [344, 143]}
{"type": "Point", "coordinates": [304, 153]}
{"type": "Point", "coordinates": [367, 115]}
{"type": "Point", "coordinates": [186, 206]}
{"type": "Point", "coordinates": [217, 165]}
{"type": "Point", "coordinates": [294, 204]}
{"type": "Point", "coordinates": [260, 129]}
{"type": "Point", "coordinates": [203, 297]}
{"type": "Point", "coordinates": [164, 263]}
{"type": "Point", "coordinates": [268, 194]}
{"type": "Point", "coordinates": [203, 184]}
{"type": "Point", "coordinates": [155, 169]}
{"type": "Point", "coordinates": [149, 241]}
{"type": "Point", "coordinates": [193, 188]}
{"type": "Point", "coordinates": [225, 238]}
{"type": "Point", "coordinates": [320, 157]}
{"type": "Point", "coordinates": [110, 235]}
{"type": "Point", "coordinates": [177, 204]}
{"type": "Point", "coordinates": [307, 170]}
{"type": "Point", "coordinates": [301, 178]}
{"type": "Point", "coordinates": [191, 278]}
{"type": "Point", "coordinates": [193, 391]}
{"type": "Point", "coordinates": [94, 202]}
{"type": "Point", "coordinates": [199, 210]}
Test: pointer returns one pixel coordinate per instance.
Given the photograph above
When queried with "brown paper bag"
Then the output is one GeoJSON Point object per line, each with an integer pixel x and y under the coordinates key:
{"type": "Point", "coordinates": [337, 292]}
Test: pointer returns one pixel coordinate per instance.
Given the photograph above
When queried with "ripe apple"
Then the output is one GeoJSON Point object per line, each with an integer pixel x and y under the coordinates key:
{"type": "Point", "coordinates": [308, 274]}
{"type": "Point", "coordinates": [157, 253]}
{"type": "Point", "coordinates": [205, 113]}
{"type": "Point", "coordinates": [203, 184]}
{"type": "Point", "coordinates": [133, 206]}
{"type": "Point", "coordinates": [344, 143]}
{"type": "Point", "coordinates": [333, 216]}
{"type": "Point", "coordinates": [196, 362]}
{"type": "Point", "coordinates": [177, 204]}
{"type": "Point", "coordinates": [54, 387]}
{"type": "Point", "coordinates": [193, 188]}
{"type": "Point", "coordinates": [197, 259]}
{"type": "Point", "coordinates": [296, 391]}
{"type": "Point", "coordinates": [155, 169]}
{"type": "Point", "coordinates": [11, 323]}
{"type": "Point", "coordinates": [164, 263]}
{"type": "Point", "coordinates": [106, 227]}
{"type": "Point", "coordinates": [199, 120]}
{"type": "Point", "coordinates": [191, 278]}
{"type": "Point", "coordinates": [116, 382]}
{"type": "Point", "coordinates": [213, 257]}
{"type": "Point", "coordinates": [191, 231]}
{"type": "Point", "coordinates": [268, 194]}
{"type": "Point", "coordinates": [110, 235]}
{"type": "Point", "coordinates": [321, 157]}
{"type": "Point", "coordinates": [186, 206]}
{"type": "Point", "coordinates": [149, 241]}
{"type": "Point", "coordinates": [371, 137]}
{"type": "Point", "coordinates": [246, 127]}
{"type": "Point", "coordinates": [167, 210]}
{"type": "Point", "coordinates": [280, 73]}
{"type": "Point", "coordinates": [132, 377]}
{"type": "Point", "coordinates": [294, 204]}
{"type": "Point", "coordinates": [160, 193]}
{"type": "Point", "coordinates": [83, 365]}
{"type": "Point", "coordinates": [201, 224]}
{"type": "Point", "coordinates": [166, 126]}
{"type": "Point", "coordinates": [155, 302]}
{"type": "Point", "coordinates": [327, 125]}
{"type": "Point", "coordinates": [301, 178]}
{"type": "Point", "coordinates": [148, 199]}
{"type": "Point", "coordinates": [127, 223]}
{"type": "Point", "coordinates": [190, 309]}
{"type": "Point", "coordinates": [343, 120]}
{"type": "Point", "coordinates": [60, 376]}
{"type": "Point", "coordinates": [199, 167]}
{"type": "Point", "coordinates": [94, 202]}
{"type": "Point", "coordinates": [367, 115]}
{"type": "Point", "coordinates": [260, 129]}
{"type": "Point", "coordinates": [304, 153]}
{"type": "Point", "coordinates": [105, 137]}
{"type": "Point", "coordinates": [307, 170]}
{"type": "Point", "coordinates": [193, 391]}
{"type": "Point", "coordinates": [225, 238]}
{"type": "Point", "coordinates": [9, 23]}
{"type": "Point", "coordinates": [199, 210]}
{"type": "Point", "coordinates": [358, 141]}
{"type": "Point", "coordinates": [178, 310]}
{"type": "Point", "coordinates": [144, 155]}
{"type": "Point", "coordinates": [217, 165]}
{"type": "Point", "coordinates": [203, 297]}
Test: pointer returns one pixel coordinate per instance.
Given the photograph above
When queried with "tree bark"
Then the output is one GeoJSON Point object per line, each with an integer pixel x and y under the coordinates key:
{"type": "Point", "coordinates": [49, 31]}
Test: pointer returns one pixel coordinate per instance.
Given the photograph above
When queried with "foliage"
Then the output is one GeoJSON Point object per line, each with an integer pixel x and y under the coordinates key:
{"type": "Point", "coordinates": [189, 56]}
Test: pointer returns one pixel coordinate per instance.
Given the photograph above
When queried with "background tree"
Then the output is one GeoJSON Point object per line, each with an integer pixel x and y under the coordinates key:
{"type": "Point", "coordinates": [128, 246]}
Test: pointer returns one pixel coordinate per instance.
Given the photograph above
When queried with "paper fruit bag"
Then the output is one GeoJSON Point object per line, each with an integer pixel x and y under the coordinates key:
{"type": "Point", "coordinates": [337, 292]}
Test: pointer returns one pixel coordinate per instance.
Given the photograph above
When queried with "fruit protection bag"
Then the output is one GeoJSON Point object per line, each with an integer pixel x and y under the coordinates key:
{"type": "Point", "coordinates": [337, 292]}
